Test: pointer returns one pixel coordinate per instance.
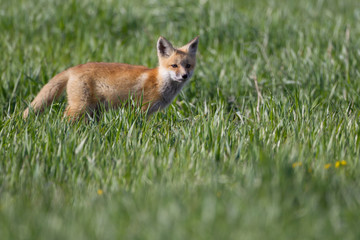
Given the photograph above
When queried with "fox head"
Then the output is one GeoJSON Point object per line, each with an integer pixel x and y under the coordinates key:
{"type": "Point", "coordinates": [177, 64]}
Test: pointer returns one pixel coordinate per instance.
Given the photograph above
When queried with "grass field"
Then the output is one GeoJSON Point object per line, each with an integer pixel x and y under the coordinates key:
{"type": "Point", "coordinates": [209, 167]}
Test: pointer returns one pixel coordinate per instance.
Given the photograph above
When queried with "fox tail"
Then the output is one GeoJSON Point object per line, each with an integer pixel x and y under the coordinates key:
{"type": "Point", "coordinates": [51, 91]}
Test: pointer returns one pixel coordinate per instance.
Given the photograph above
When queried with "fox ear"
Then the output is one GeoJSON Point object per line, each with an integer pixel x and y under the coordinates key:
{"type": "Point", "coordinates": [164, 47]}
{"type": "Point", "coordinates": [192, 46]}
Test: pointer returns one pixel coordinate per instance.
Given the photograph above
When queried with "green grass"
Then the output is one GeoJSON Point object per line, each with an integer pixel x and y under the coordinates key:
{"type": "Point", "coordinates": [209, 167]}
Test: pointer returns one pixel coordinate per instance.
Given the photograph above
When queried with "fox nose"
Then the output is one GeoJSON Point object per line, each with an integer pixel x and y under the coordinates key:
{"type": "Point", "coordinates": [184, 76]}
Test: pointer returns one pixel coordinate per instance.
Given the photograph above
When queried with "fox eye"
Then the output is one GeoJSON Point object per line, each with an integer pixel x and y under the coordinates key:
{"type": "Point", "coordinates": [187, 66]}
{"type": "Point", "coordinates": [174, 65]}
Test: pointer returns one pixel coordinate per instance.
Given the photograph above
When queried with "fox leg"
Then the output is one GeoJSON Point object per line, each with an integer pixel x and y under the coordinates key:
{"type": "Point", "coordinates": [79, 98]}
{"type": "Point", "coordinates": [74, 112]}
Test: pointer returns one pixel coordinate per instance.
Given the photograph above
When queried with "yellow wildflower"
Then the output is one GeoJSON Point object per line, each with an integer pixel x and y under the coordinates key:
{"type": "Point", "coordinates": [337, 164]}
{"type": "Point", "coordinates": [296, 164]}
{"type": "Point", "coordinates": [340, 163]}
{"type": "Point", "coordinates": [327, 166]}
{"type": "Point", "coordinates": [100, 192]}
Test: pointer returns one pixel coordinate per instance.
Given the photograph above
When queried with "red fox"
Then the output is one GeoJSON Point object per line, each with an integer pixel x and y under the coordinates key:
{"type": "Point", "coordinates": [89, 84]}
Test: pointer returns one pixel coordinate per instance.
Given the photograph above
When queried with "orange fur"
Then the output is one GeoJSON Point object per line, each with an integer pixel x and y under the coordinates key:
{"type": "Point", "coordinates": [89, 84]}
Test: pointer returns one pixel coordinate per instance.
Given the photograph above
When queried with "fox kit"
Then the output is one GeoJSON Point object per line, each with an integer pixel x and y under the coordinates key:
{"type": "Point", "coordinates": [89, 84]}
